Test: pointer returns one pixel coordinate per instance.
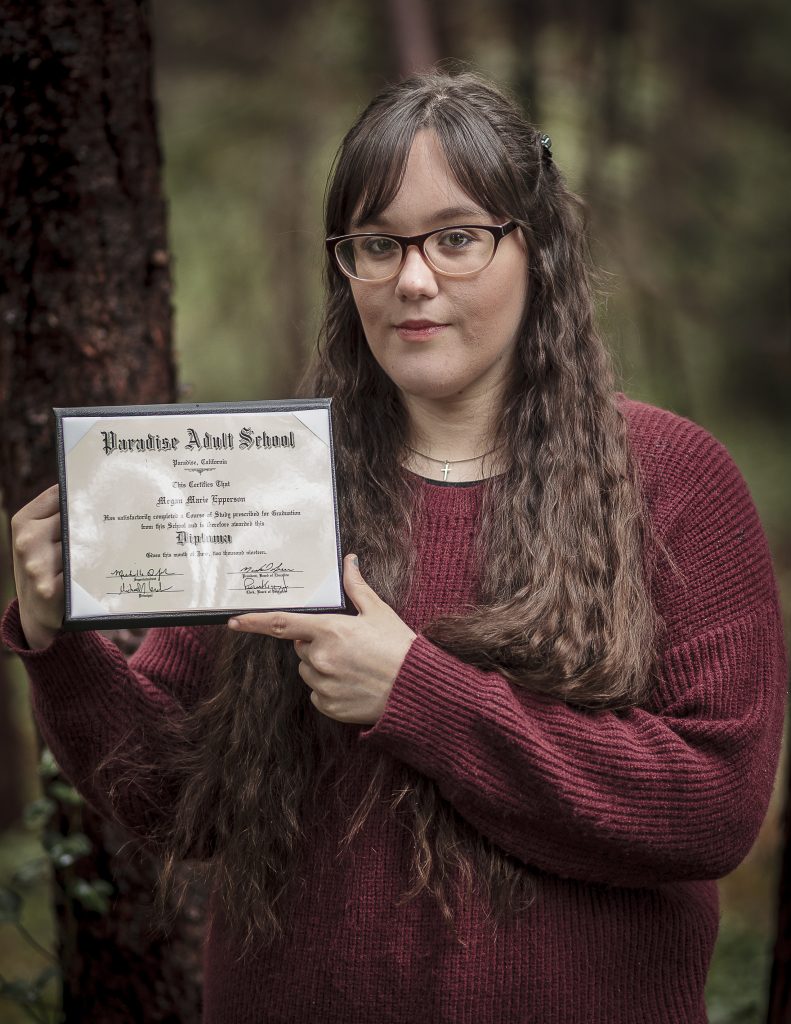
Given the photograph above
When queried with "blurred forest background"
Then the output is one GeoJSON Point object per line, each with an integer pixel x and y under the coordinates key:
{"type": "Point", "coordinates": [670, 120]}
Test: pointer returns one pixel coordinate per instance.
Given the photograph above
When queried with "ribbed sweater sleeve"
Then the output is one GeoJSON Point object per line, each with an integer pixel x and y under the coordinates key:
{"type": "Point", "coordinates": [91, 703]}
{"type": "Point", "coordinates": [673, 790]}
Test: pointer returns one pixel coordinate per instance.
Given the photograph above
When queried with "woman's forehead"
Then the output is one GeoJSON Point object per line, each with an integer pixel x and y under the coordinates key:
{"type": "Point", "coordinates": [428, 191]}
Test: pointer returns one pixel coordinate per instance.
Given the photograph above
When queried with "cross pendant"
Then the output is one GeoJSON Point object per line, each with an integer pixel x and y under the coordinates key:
{"type": "Point", "coordinates": [445, 471]}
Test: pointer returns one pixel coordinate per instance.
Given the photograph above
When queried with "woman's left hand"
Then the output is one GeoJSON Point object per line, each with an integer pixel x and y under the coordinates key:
{"type": "Point", "coordinates": [349, 661]}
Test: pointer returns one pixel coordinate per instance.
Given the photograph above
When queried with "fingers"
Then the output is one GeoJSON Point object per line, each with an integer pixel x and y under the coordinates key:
{"type": "Point", "coordinates": [323, 692]}
{"type": "Point", "coordinates": [302, 648]}
{"type": "Point", "coordinates": [310, 676]}
{"type": "Point", "coordinates": [283, 625]}
{"type": "Point", "coordinates": [299, 626]}
{"type": "Point", "coordinates": [37, 522]}
{"type": "Point", "coordinates": [44, 564]}
{"type": "Point", "coordinates": [45, 504]}
{"type": "Point", "coordinates": [38, 567]}
{"type": "Point", "coordinates": [357, 590]}
{"type": "Point", "coordinates": [50, 528]}
{"type": "Point", "coordinates": [49, 589]}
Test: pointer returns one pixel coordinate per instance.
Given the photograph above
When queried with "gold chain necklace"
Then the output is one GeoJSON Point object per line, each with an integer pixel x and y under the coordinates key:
{"type": "Point", "coordinates": [447, 463]}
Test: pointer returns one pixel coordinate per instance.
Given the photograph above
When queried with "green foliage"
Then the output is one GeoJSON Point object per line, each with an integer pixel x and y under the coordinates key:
{"type": "Point", "coordinates": [61, 851]}
{"type": "Point", "coordinates": [47, 766]}
{"type": "Point", "coordinates": [38, 813]}
{"type": "Point", "coordinates": [737, 983]}
{"type": "Point", "coordinates": [31, 873]}
{"type": "Point", "coordinates": [93, 896]}
{"type": "Point", "coordinates": [65, 793]}
{"type": "Point", "coordinates": [30, 994]}
{"type": "Point", "coordinates": [10, 905]}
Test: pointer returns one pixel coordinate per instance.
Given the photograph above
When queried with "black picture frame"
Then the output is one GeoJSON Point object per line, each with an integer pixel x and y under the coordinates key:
{"type": "Point", "coordinates": [186, 616]}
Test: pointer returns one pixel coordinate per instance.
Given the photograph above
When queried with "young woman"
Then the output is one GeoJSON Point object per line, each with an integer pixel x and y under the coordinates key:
{"type": "Point", "coordinates": [501, 791]}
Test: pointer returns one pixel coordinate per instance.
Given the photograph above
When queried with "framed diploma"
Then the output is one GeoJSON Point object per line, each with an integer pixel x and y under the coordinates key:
{"type": "Point", "coordinates": [177, 514]}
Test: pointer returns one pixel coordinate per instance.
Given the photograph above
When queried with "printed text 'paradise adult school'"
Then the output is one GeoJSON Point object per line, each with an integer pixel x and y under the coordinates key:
{"type": "Point", "coordinates": [246, 440]}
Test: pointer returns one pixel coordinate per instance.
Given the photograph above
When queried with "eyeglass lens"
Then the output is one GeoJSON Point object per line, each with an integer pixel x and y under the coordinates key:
{"type": "Point", "coordinates": [450, 250]}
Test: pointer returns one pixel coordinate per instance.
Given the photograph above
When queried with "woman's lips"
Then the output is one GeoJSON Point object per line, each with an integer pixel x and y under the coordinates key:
{"type": "Point", "coordinates": [419, 330]}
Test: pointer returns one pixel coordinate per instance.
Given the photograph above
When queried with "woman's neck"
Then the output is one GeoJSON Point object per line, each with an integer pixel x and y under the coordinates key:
{"type": "Point", "coordinates": [452, 440]}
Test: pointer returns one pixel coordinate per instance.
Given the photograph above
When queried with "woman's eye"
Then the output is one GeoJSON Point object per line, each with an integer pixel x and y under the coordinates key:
{"type": "Point", "coordinates": [380, 246]}
{"type": "Point", "coordinates": [456, 239]}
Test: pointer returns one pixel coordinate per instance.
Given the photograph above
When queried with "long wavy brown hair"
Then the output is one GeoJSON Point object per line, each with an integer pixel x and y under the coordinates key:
{"type": "Point", "coordinates": [564, 595]}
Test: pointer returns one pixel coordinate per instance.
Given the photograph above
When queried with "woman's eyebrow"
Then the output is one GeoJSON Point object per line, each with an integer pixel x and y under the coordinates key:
{"type": "Point", "coordinates": [439, 217]}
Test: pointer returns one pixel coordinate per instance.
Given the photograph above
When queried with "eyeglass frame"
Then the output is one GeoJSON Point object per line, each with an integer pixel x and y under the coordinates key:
{"type": "Point", "coordinates": [498, 232]}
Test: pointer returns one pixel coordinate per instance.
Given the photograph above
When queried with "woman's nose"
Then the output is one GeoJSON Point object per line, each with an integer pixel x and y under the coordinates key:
{"type": "Point", "coordinates": [416, 277]}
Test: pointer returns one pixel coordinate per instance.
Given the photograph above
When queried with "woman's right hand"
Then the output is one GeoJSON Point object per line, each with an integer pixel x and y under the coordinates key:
{"type": "Point", "coordinates": [38, 567]}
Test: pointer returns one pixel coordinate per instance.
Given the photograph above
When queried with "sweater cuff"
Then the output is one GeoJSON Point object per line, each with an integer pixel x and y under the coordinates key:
{"type": "Point", "coordinates": [431, 706]}
{"type": "Point", "coordinates": [13, 636]}
{"type": "Point", "coordinates": [65, 664]}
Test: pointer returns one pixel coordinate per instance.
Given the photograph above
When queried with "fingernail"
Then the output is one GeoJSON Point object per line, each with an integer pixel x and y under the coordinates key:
{"type": "Point", "coordinates": [356, 561]}
{"type": "Point", "coordinates": [233, 623]}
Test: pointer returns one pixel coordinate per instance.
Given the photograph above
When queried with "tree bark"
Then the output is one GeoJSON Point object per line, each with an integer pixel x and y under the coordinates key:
{"type": "Point", "coordinates": [779, 1011]}
{"type": "Point", "coordinates": [414, 37]}
{"type": "Point", "coordinates": [11, 798]}
{"type": "Point", "coordinates": [85, 319]}
{"type": "Point", "coordinates": [526, 22]}
{"type": "Point", "coordinates": [85, 306]}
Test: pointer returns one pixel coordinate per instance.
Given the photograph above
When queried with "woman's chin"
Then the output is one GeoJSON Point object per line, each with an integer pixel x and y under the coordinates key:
{"type": "Point", "coordinates": [432, 389]}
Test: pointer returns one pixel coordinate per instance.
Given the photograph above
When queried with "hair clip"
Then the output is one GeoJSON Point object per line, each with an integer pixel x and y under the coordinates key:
{"type": "Point", "coordinates": [546, 142]}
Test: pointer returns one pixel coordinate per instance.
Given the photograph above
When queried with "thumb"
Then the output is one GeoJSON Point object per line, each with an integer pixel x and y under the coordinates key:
{"type": "Point", "coordinates": [362, 596]}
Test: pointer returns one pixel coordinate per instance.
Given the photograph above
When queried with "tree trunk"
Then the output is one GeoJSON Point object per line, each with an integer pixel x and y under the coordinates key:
{"type": "Point", "coordinates": [85, 306]}
{"type": "Point", "coordinates": [11, 799]}
{"type": "Point", "coordinates": [526, 22]}
{"type": "Point", "coordinates": [85, 319]}
{"type": "Point", "coordinates": [414, 37]}
{"type": "Point", "coordinates": [780, 981]}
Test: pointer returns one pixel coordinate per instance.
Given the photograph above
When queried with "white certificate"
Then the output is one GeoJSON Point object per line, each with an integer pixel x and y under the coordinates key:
{"type": "Point", "coordinates": [190, 513]}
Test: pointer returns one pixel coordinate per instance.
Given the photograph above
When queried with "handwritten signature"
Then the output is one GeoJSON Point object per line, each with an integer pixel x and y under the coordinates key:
{"type": "Point", "coordinates": [255, 585]}
{"type": "Point", "coordinates": [266, 578]}
{"type": "Point", "coordinates": [266, 569]}
{"type": "Point", "coordinates": [143, 582]}
{"type": "Point", "coordinates": [143, 574]}
{"type": "Point", "coordinates": [144, 588]}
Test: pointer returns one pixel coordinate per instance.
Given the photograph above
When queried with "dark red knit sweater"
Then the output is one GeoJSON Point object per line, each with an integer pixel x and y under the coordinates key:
{"type": "Point", "coordinates": [624, 818]}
